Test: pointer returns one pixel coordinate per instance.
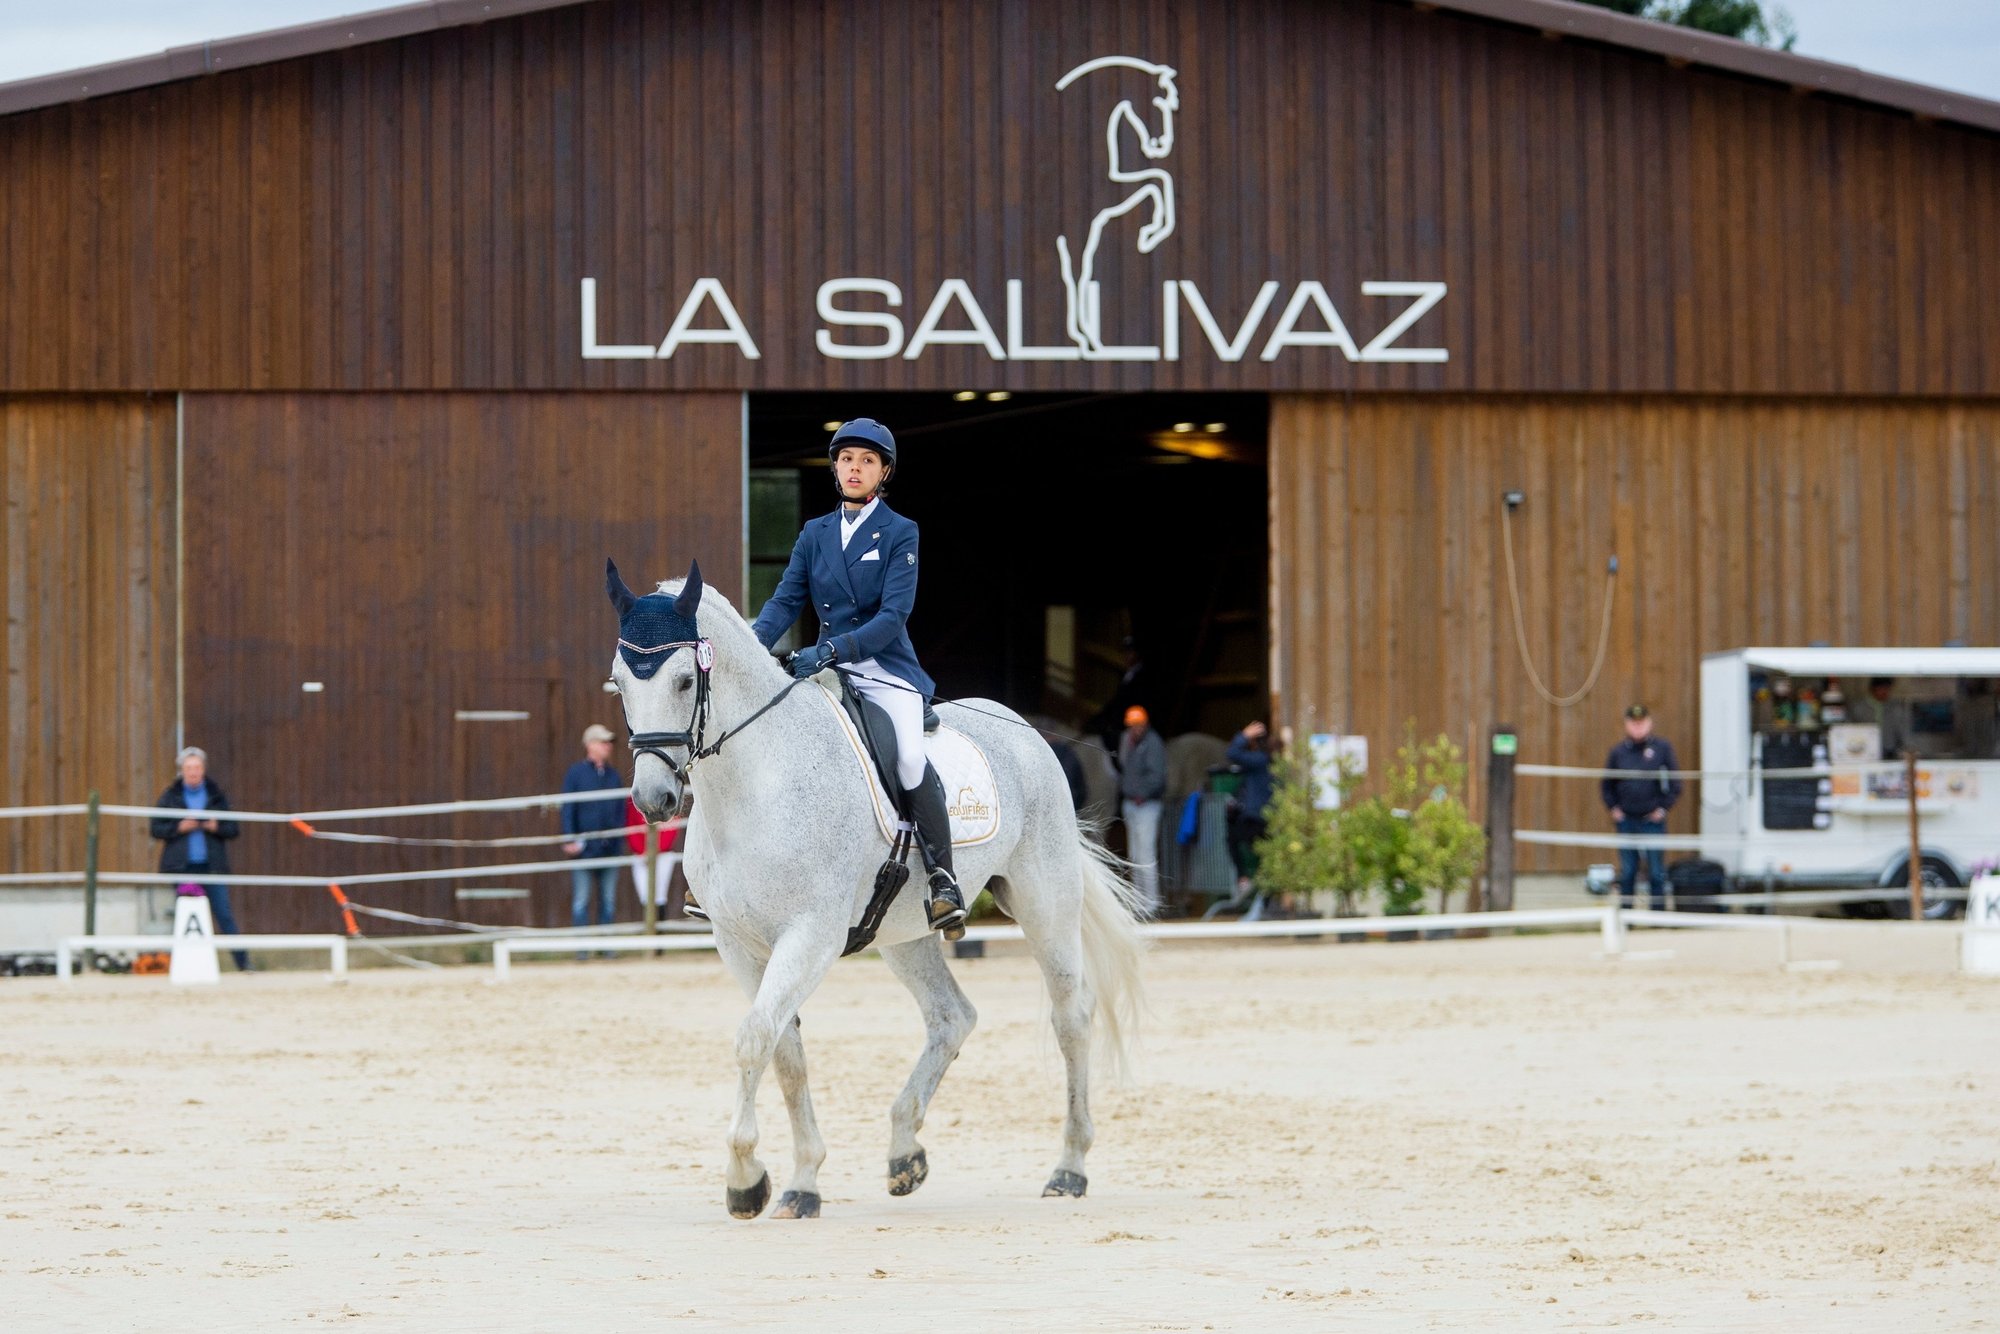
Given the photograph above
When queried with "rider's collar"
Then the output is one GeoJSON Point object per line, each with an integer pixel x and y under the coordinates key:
{"type": "Point", "coordinates": [650, 630]}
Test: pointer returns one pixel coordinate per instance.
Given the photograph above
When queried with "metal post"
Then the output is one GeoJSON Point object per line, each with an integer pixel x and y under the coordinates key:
{"type": "Point", "coordinates": [1500, 819]}
{"type": "Point", "coordinates": [1916, 840]}
{"type": "Point", "coordinates": [653, 895]}
{"type": "Point", "coordinates": [90, 821]}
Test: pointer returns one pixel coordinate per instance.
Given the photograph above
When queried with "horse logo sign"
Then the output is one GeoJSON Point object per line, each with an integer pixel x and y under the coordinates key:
{"type": "Point", "coordinates": [1136, 185]}
{"type": "Point", "coordinates": [1128, 197]}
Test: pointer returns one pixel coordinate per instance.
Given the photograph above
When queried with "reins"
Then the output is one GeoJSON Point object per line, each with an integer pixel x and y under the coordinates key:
{"type": "Point", "coordinates": [960, 704]}
{"type": "Point", "coordinates": [695, 735]}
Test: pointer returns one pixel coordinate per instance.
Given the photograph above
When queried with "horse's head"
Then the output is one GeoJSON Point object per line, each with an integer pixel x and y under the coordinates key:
{"type": "Point", "coordinates": [661, 672]}
{"type": "Point", "coordinates": [1168, 102]}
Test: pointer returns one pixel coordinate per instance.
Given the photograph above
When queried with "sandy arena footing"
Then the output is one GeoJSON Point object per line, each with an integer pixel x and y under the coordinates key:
{"type": "Point", "coordinates": [1475, 1135]}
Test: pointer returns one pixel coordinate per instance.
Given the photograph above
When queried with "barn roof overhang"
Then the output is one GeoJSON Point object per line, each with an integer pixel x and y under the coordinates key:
{"type": "Point", "coordinates": [1553, 18]}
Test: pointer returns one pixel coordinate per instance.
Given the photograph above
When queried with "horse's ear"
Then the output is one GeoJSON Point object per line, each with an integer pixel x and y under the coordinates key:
{"type": "Point", "coordinates": [621, 596]}
{"type": "Point", "coordinates": [690, 597]}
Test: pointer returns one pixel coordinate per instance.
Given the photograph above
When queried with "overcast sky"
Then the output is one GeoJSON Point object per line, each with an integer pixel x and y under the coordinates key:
{"type": "Point", "coordinates": [1951, 43]}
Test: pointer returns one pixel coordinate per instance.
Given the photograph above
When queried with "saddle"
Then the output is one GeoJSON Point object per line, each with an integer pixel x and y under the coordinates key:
{"type": "Point", "coordinates": [878, 734]}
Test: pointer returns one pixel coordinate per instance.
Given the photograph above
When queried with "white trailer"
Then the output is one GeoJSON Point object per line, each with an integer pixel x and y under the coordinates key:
{"type": "Point", "coordinates": [1789, 799]}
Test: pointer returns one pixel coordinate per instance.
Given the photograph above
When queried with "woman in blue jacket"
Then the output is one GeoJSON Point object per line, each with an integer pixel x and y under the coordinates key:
{"type": "Point", "coordinates": [858, 568]}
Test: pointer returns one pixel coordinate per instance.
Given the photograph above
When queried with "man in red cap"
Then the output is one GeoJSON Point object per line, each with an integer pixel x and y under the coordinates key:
{"type": "Point", "coordinates": [1142, 784]}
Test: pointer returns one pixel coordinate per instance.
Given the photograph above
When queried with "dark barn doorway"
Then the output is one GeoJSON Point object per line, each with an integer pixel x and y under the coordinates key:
{"type": "Point", "coordinates": [1058, 529]}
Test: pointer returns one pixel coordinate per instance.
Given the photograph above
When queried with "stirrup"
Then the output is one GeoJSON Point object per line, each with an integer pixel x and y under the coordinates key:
{"type": "Point", "coordinates": [689, 908]}
{"type": "Point", "coordinates": [946, 907]}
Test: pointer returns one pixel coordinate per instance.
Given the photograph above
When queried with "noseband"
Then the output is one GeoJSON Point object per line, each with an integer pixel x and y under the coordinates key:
{"type": "Point", "coordinates": [693, 735]}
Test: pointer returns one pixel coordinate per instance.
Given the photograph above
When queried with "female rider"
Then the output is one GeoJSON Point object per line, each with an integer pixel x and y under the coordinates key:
{"type": "Point", "coordinates": [858, 567]}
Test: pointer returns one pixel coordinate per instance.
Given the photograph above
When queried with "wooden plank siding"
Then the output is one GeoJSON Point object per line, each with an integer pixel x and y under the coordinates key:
{"type": "Point", "coordinates": [416, 214]}
{"type": "Point", "coordinates": [87, 562]}
{"type": "Point", "coordinates": [1735, 523]}
{"type": "Point", "coordinates": [419, 554]}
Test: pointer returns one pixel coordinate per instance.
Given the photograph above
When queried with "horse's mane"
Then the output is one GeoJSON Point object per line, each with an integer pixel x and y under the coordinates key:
{"type": "Point", "coordinates": [721, 622]}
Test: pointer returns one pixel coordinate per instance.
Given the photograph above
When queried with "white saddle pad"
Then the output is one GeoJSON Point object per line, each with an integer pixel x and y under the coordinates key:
{"type": "Point", "coordinates": [969, 791]}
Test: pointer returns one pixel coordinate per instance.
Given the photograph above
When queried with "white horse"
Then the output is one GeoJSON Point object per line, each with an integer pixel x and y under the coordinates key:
{"type": "Point", "coordinates": [782, 848]}
{"type": "Point", "coordinates": [1154, 185]}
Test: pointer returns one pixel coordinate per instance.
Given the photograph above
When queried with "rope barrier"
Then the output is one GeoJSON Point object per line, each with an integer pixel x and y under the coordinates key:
{"type": "Point", "coordinates": [352, 813]}
{"type": "Point", "coordinates": [317, 881]}
{"type": "Point", "coordinates": [1577, 771]}
{"type": "Point", "coordinates": [1563, 838]}
{"type": "Point", "coordinates": [521, 841]}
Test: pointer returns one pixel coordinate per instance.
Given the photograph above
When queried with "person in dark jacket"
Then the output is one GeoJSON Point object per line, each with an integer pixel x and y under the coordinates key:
{"type": "Point", "coordinates": [582, 819]}
{"type": "Point", "coordinates": [1248, 754]}
{"type": "Point", "coordinates": [1072, 767]}
{"type": "Point", "coordinates": [197, 844]}
{"type": "Point", "coordinates": [1142, 785]}
{"type": "Point", "coordinates": [1638, 804]}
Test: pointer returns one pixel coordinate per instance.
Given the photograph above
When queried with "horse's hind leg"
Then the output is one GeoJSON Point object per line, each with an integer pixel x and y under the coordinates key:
{"type": "Point", "coordinates": [801, 1197]}
{"type": "Point", "coordinates": [1055, 934]}
{"type": "Point", "coordinates": [780, 986]}
{"type": "Point", "coordinates": [948, 1020]}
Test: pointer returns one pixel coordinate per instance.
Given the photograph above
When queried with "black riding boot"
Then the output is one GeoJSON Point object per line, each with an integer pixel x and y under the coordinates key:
{"type": "Point", "coordinates": [933, 821]}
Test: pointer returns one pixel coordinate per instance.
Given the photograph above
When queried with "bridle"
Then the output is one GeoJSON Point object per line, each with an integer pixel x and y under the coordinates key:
{"type": "Point", "coordinates": [693, 737]}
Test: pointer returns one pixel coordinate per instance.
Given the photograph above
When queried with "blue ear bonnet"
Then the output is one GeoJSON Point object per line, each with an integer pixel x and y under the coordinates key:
{"type": "Point", "coordinates": [650, 628]}
{"type": "Point", "coordinates": [649, 632]}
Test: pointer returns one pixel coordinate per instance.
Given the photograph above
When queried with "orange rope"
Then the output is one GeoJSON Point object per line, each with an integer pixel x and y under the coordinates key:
{"type": "Point", "coordinates": [346, 913]}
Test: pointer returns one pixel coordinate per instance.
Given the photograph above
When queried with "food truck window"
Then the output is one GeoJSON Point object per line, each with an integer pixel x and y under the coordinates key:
{"type": "Point", "coordinates": [1934, 717]}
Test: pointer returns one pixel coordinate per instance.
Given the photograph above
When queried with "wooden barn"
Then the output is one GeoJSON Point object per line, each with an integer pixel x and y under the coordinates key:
{"type": "Point", "coordinates": [345, 354]}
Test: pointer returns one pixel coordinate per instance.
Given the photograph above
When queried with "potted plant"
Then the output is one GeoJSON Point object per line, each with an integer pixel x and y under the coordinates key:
{"type": "Point", "coordinates": [1297, 854]}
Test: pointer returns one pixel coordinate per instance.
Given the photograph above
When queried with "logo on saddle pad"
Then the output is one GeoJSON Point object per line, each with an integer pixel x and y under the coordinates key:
{"type": "Point", "coordinates": [967, 806]}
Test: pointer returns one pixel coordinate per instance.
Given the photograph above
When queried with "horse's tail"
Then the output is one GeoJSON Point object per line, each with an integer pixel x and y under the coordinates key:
{"type": "Point", "coordinates": [1111, 948]}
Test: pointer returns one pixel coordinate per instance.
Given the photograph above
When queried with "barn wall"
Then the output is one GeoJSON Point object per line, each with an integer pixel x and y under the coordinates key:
{"type": "Point", "coordinates": [419, 555]}
{"type": "Point", "coordinates": [87, 562]}
{"type": "Point", "coordinates": [418, 213]}
{"type": "Point", "coordinates": [1735, 523]}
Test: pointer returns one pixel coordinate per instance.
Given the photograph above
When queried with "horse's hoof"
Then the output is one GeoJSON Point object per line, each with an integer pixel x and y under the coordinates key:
{"type": "Point", "coordinates": [797, 1204]}
{"type": "Point", "coordinates": [749, 1203]}
{"type": "Point", "coordinates": [906, 1174]}
{"type": "Point", "coordinates": [1071, 1184]}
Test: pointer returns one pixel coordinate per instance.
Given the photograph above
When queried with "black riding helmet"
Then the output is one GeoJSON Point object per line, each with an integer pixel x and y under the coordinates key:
{"type": "Point", "coordinates": [864, 431]}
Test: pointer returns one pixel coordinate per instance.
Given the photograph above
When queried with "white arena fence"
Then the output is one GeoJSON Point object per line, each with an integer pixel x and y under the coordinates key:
{"type": "Point", "coordinates": [306, 822]}
{"type": "Point", "coordinates": [1738, 781]}
{"type": "Point", "coordinates": [1612, 923]}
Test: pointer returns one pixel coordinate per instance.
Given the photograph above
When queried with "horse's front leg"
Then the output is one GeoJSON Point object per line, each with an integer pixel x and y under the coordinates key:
{"type": "Point", "coordinates": [801, 1197]}
{"type": "Point", "coordinates": [948, 1020]}
{"type": "Point", "coordinates": [797, 964]}
{"type": "Point", "coordinates": [1161, 225]}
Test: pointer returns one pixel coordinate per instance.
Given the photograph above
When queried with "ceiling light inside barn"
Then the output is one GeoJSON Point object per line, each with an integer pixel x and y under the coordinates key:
{"type": "Point", "coordinates": [1183, 427]}
{"type": "Point", "coordinates": [829, 426]}
{"type": "Point", "coordinates": [964, 396]}
{"type": "Point", "coordinates": [998, 396]}
{"type": "Point", "coordinates": [1216, 428]}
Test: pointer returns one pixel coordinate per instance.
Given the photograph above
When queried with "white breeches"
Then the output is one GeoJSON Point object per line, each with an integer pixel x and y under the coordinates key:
{"type": "Point", "coordinates": [668, 860]}
{"type": "Point", "coordinates": [905, 707]}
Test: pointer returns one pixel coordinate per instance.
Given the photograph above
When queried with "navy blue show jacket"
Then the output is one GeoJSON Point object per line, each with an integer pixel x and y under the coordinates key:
{"type": "Point", "coordinates": [863, 595]}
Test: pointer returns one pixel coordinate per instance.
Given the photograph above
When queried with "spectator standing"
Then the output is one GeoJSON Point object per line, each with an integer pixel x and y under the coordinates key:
{"type": "Point", "coordinates": [1133, 692]}
{"type": "Point", "coordinates": [197, 844]}
{"type": "Point", "coordinates": [668, 838]}
{"type": "Point", "coordinates": [1072, 767]}
{"type": "Point", "coordinates": [1249, 754]}
{"type": "Point", "coordinates": [587, 822]}
{"type": "Point", "coordinates": [1890, 715]}
{"type": "Point", "coordinates": [1142, 784]}
{"type": "Point", "coordinates": [1638, 798]}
